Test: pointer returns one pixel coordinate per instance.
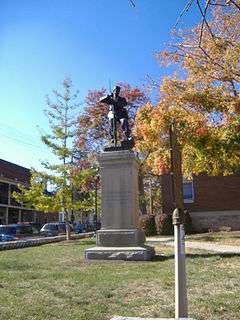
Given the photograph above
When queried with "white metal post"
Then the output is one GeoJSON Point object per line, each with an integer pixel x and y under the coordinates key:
{"type": "Point", "coordinates": [181, 309]}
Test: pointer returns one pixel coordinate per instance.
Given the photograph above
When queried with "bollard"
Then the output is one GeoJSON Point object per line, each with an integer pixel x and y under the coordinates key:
{"type": "Point", "coordinates": [181, 309]}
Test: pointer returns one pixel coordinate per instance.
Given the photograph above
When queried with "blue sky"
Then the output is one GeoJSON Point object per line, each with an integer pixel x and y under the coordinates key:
{"type": "Point", "coordinates": [91, 41]}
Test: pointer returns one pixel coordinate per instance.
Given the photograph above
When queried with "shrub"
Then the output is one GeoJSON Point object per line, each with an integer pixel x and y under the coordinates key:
{"type": "Point", "coordinates": [164, 224]}
{"type": "Point", "coordinates": [147, 223]}
{"type": "Point", "coordinates": [187, 222]}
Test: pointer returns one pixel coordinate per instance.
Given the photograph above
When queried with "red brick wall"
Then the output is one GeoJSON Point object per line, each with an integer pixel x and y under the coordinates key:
{"type": "Point", "coordinates": [210, 193]}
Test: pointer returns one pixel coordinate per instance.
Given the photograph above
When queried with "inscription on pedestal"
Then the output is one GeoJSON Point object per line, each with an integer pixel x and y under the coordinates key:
{"type": "Point", "coordinates": [120, 210]}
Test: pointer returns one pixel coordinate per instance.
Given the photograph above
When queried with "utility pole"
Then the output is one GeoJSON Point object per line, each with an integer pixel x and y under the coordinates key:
{"type": "Point", "coordinates": [181, 309]}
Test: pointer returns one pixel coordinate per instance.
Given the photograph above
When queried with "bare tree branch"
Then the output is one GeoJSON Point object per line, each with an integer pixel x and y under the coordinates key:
{"type": "Point", "coordinates": [185, 9]}
{"type": "Point", "coordinates": [202, 26]}
{"type": "Point", "coordinates": [132, 3]}
{"type": "Point", "coordinates": [204, 20]}
{"type": "Point", "coordinates": [153, 83]}
{"type": "Point", "coordinates": [217, 4]}
{"type": "Point", "coordinates": [233, 2]}
{"type": "Point", "coordinates": [234, 88]}
{"type": "Point", "coordinates": [182, 46]}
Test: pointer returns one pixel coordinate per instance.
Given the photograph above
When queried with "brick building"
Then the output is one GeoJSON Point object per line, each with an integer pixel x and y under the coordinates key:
{"type": "Point", "coordinates": [11, 211]}
{"type": "Point", "coordinates": [213, 202]}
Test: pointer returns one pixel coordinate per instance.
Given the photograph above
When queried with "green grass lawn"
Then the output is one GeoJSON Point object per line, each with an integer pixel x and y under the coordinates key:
{"type": "Point", "coordinates": [229, 238]}
{"type": "Point", "coordinates": [55, 282]}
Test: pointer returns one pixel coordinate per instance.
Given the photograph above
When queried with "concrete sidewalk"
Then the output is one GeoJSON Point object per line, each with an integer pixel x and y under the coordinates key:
{"type": "Point", "coordinates": [209, 246]}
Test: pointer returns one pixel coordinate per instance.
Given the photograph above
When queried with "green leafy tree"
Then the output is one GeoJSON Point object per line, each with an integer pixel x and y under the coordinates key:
{"type": "Point", "coordinates": [68, 184]}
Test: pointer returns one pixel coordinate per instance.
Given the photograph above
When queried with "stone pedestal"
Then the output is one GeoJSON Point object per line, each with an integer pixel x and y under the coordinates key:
{"type": "Point", "coordinates": [119, 237]}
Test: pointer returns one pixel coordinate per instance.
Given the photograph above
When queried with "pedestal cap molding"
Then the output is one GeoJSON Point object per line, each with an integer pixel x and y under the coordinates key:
{"type": "Point", "coordinates": [116, 156]}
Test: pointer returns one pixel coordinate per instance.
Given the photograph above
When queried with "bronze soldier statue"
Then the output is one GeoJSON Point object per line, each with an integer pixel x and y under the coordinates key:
{"type": "Point", "coordinates": [117, 114]}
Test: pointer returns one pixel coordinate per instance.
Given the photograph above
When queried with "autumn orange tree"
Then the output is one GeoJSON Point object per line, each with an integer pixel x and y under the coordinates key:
{"type": "Point", "coordinates": [202, 98]}
{"type": "Point", "coordinates": [93, 133]}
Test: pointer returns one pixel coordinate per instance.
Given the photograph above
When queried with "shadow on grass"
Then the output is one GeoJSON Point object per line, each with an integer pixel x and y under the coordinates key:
{"type": "Point", "coordinates": [197, 255]}
{"type": "Point", "coordinates": [234, 237]}
{"type": "Point", "coordinates": [205, 238]}
{"type": "Point", "coordinates": [78, 243]}
{"type": "Point", "coordinates": [159, 257]}
{"type": "Point", "coordinates": [215, 254]}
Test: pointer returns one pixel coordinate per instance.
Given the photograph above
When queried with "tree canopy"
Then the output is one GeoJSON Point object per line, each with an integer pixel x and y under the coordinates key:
{"type": "Point", "coordinates": [202, 98]}
{"type": "Point", "coordinates": [68, 184]}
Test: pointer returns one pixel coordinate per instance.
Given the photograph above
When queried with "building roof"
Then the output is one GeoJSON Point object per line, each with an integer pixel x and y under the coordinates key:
{"type": "Point", "coordinates": [12, 171]}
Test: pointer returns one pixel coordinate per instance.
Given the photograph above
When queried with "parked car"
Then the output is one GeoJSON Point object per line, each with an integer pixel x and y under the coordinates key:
{"type": "Point", "coordinates": [24, 230]}
{"type": "Point", "coordinates": [8, 232]}
{"type": "Point", "coordinates": [7, 237]}
{"type": "Point", "coordinates": [30, 228]}
{"type": "Point", "coordinates": [62, 227]}
{"type": "Point", "coordinates": [49, 230]}
{"type": "Point", "coordinates": [80, 227]}
{"type": "Point", "coordinates": [54, 229]}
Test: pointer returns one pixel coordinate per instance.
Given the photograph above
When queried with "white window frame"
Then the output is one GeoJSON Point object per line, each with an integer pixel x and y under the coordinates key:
{"type": "Point", "coordinates": [192, 199]}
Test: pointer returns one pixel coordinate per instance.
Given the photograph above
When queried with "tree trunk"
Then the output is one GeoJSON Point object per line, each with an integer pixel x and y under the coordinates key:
{"type": "Point", "coordinates": [68, 232]}
{"type": "Point", "coordinates": [150, 198]}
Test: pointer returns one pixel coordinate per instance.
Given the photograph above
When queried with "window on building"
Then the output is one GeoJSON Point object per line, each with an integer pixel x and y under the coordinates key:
{"type": "Point", "coordinates": [188, 195]}
{"type": "Point", "coordinates": [3, 213]}
{"type": "Point", "coordinates": [13, 215]}
{"type": "Point", "coordinates": [27, 216]}
{"type": "Point", "coordinates": [3, 193]}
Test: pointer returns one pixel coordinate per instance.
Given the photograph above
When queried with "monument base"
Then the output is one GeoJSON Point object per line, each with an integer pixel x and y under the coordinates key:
{"type": "Point", "coordinates": [120, 238]}
{"type": "Point", "coordinates": [143, 253]}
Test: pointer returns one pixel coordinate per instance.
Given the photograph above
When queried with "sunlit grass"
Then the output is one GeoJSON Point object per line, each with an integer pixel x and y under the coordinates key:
{"type": "Point", "coordinates": [54, 282]}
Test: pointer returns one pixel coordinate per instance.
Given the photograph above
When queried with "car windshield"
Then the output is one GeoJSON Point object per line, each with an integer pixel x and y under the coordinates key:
{"type": "Point", "coordinates": [50, 227]}
{"type": "Point", "coordinates": [25, 228]}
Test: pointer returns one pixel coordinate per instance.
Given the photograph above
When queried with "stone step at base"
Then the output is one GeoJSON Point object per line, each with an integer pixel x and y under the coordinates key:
{"type": "Point", "coordinates": [140, 253]}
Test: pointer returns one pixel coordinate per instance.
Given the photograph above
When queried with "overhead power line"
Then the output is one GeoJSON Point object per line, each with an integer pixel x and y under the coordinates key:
{"type": "Point", "coordinates": [20, 141]}
{"type": "Point", "coordinates": [12, 130]}
{"type": "Point", "coordinates": [17, 135]}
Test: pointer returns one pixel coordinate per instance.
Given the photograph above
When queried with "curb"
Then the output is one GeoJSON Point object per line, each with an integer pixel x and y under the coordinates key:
{"type": "Point", "coordinates": [40, 241]}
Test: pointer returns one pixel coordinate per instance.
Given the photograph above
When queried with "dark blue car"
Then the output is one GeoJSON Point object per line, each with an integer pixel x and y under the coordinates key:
{"type": "Point", "coordinates": [8, 232]}
{"type": "Point", "coordinates": [80, 227]}
{"type": "Point", "coordinates": [54, 229]}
